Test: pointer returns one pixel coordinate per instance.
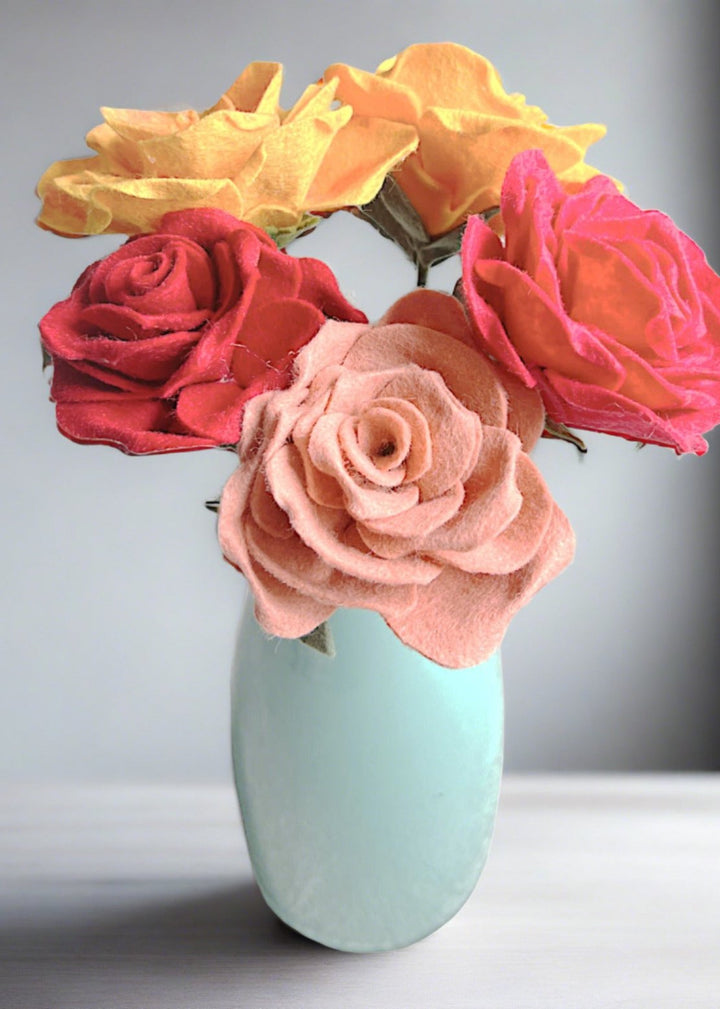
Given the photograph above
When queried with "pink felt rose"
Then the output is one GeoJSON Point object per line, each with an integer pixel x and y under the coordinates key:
{"type": "Point", "coordinates": [393, 475]}
{"type": "Point", "coordinates": [610, 311]}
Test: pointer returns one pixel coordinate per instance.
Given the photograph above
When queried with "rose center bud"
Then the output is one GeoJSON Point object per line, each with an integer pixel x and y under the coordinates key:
{"type": "Point", "coordinates": [384, 437]}
{"type": "Point", "coordinates": [144, 273]}
{"type": "Point", "coordinates": [132, 278]}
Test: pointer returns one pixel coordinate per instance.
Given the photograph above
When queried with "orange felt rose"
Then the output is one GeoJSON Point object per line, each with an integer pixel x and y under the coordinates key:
{"type": "Point", "coordinates": [245, 155]}
{"type": "Point", "coordinates": [469, 128]}
{"type": "Point", "coordinates": [393, 475]}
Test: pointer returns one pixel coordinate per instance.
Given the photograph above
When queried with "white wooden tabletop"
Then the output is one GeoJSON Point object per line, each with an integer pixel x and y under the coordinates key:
{"type": "Point", "coordinates": [599, 892]}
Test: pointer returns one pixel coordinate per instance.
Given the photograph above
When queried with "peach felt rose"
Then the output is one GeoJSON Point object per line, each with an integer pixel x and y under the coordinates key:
{"type": "Point", "coordinates": [469, 128]}
{"type": "Point", "coordinates": [610, 311]}
{"type": "Point", "coordinates": [393, 475]}
{"type": "Point", "coordinates": [245, 155]}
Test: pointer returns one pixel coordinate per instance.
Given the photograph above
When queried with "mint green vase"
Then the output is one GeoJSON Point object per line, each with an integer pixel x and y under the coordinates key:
{"type": "Point", "coordinates": [368, 782]}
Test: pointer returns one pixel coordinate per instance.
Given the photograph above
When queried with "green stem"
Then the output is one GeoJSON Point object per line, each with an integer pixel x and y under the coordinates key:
{"type": "Point", "coordinates": [422, 274]}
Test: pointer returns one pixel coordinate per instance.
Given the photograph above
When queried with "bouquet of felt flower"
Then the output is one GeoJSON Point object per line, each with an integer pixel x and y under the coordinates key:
{"type": "Point", "coordinates": [381, 465]}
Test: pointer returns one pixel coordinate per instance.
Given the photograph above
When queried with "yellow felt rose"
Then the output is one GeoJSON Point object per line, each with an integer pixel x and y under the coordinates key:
{"type": "Point", "coordinates": [469, 128]}
{"type": "Point", "coordinates": [245, 155]}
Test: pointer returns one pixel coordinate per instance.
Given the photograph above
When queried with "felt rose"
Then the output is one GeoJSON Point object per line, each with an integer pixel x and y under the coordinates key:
{"type": "Point", "coordinates": [469, 128]}
{"type": "Point", "coordinates": [161, 344]}
{"type": "Point", "coordinates": [610, 311]}
{"type": "Point", "coordinates": [393, 475]}
{"type": "Point", "coordinates": [245, 155]}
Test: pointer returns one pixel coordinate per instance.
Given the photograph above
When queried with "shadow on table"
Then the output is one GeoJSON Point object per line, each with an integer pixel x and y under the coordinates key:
{"type": "Point", "coordinates": [226, 922]}
{"type": "Point", "coordinates": [110, 948]}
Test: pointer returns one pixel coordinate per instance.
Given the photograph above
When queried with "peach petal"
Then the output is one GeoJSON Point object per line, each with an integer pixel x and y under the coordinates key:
{"type": "Point", "coordinates": [321, 487]}
{"type": "Point", "coordinates": [383, 436]}
{"type": "Point", "coordinates": [419, 456]}
{"type": "Point", "coordinates": [467, 372]}
{"type": "Point", "coordinates": [455, 432]}
{"type": "Point", "coordinates": [291, 561]}
{"type": "Point", "coordinates": [460, 619]}
{"type": "Point", "coordinates": [375, 435]}
{"type": "Point", "coordinates": [403, 535]}
{"type": "Point", "coordinates": [352, 390]}
{"type": "Point", "coordinates": [519, 541]}
{"type": "Point", "coordinates": [492, 498]}
{"type": "Point", "coordinates": [362, 498]}
{"type": "Point", "coordinates": [279, 609]}
{"type": "Point", "coordinates": [432, 310]}
{"type": "Point", "coordinates": [475, 514]}
{"type": "Point", "coordinates": [330, 346]}
{"type": "Point", "coordinates": [298, 567]}
{"type": "Point", "coordinates": [266, 513]}
{"type": "Point", "coordinates": [526, 413]}
{"type": "Point", "coordinates": [319, 527]}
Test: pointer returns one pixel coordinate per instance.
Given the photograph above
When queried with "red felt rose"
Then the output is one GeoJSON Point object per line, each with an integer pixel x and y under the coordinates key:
{"type": "Point", "coordinates": [610, 311]}
{"type": "Point", "coordinates": [161, 344]}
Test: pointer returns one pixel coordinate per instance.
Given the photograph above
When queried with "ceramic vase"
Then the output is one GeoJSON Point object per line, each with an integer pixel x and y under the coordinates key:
{"type": "Point", "coordinates": [368, 782]}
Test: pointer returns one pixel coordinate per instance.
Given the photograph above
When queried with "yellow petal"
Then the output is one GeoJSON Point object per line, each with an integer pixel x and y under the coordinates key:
{"type": "Point", "coordinates": [64, 210]}
{"type": "Point", "coordinates": [215, 147]}
{"type": "Point", "coordinates": [136, 124]}
{"type": "Point", "coordinates": [370, 95]}
{"type": "Point", "coordinates": [117, 154]}
{"type": "Point", "coordinates": [58, 169]}
{"type": "Point", "coordinates": [450, 76]}
{"type": "Point", "coordinates": [470, 128]}
{"type": "Point", "coordinates": [359, 158]}
{"type": "Point", "coordinates": [89, 203]}
{"type": "Point", "coordinates": [118, 139]}
{"type": "Point", "coordinates": [315, 100]}
{"type": "Point", "coordinates": [464, 160]}
{"type": "Point", "coordinates": [141, 203]}
{"type": "Point", "coordinates": [257, 89]}
{"type": "Point", "coordinates": [581, 136]}
{"type": "Point", "coordinates": [278, 220]}
{"type": "Point", "coordinates": [281, 172]}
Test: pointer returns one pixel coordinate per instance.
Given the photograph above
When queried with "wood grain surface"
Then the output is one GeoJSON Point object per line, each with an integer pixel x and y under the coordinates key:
{"type": "Point", "coordinates": [600, 892]}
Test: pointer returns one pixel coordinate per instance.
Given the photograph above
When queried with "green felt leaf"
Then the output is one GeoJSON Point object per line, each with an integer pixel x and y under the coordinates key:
{"type": "Point", "coordinates": [321, 640]}
{"type": "Point", "coordinates": [555, 430]}
{"type": "Point", "coordinates": [393, 215]}
{"type": "Point", "coordinates": [284, 236]}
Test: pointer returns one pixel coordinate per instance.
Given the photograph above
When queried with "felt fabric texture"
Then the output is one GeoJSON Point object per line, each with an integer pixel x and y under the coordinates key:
{"type": "Point", "coordinates": [161, 344]}
{"type": "Point", "coordinates": [610, 311]}
{"type": "Point", "coordinates": [393, 475]}
{"type": "Point", "coordinates": [469, 128]}
{"type": "Point", "coordinates": [245, 155]}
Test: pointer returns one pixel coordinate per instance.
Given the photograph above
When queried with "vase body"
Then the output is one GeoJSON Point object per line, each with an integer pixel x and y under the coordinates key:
{"type": "Point", "coordinates": [368, 782]}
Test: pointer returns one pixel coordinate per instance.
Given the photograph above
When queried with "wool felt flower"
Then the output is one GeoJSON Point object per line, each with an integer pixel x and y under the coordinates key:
{"type": "Point", "coordinates": [393, 475]}
{"type": "Point", "coordinates": [161, 344]}
{"type": "Point", "coordinates": [245, 155]}
{"type": "Point", "coordinates": [469, 128]}
{"type": "Point", "coordinates": [610, 311]}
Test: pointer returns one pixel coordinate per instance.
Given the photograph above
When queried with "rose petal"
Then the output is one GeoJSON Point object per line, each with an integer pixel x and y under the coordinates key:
{"type": "Point", "coordinates": [320, 527]}
{"type": "Point", "coordinates": [460, 619]}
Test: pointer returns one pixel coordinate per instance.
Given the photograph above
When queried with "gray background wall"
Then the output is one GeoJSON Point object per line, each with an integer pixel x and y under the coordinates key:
{"type": "Point", "coordinates": [118, 614]}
